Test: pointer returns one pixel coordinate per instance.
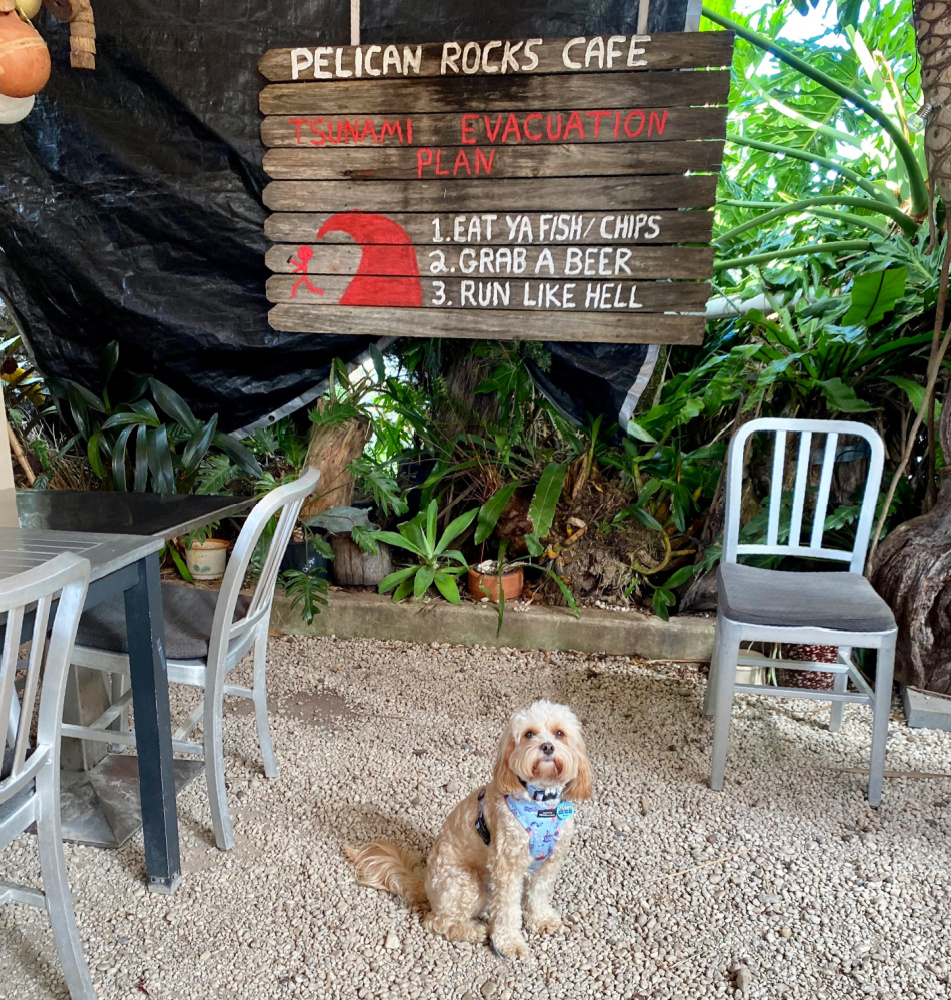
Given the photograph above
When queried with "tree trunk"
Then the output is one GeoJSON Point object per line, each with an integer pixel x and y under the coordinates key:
{"type": "Point", "coordinates": [332, 448]}
{"type": "Point", "coordinates": [912, 571]}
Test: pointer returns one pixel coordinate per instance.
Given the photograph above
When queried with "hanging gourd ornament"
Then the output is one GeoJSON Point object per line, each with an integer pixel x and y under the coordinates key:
{"type": "Point", "coordinates": [15, 109]}
{"type": "Point", "coordinates": [24, 58]}
{"type": "Point", "coordinates": [28, 9]}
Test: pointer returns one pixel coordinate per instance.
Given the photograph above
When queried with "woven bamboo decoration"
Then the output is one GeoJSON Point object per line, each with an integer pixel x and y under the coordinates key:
{"type": "Point", "coordinates": [82, 37]}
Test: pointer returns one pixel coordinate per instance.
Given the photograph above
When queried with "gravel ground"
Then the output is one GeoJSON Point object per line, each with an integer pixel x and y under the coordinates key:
{"type": "Point", "coordinates": [804, 892]}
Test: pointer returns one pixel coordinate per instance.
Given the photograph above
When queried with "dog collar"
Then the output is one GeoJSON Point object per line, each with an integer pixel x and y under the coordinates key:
{"type": "Point", "coordinates": [541, 794]}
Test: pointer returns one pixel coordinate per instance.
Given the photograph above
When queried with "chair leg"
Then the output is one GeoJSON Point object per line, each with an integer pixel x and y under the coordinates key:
{"type": "Point", "coordinates": [215, 765]}
{"type": "Point", "coordinates": [727, 655]}
{"type": "Point", "coordinates": [59, 902]}
{"type": "Point", "coordinates": [259, 695]}
{"type": "Point", "coordinates": [120, 684]}
{"type": "Point", "coordinates": [712, 676]}
{"type": "Point", "coordinates": [840, 685]}
{"type": "Point", "coordinates": [884, 673]}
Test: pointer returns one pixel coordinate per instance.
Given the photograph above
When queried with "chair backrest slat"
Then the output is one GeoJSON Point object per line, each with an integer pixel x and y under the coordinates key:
{"type": "Point", "coordinates": [799, 490]}
{"type": "Point", "coordinates": [825, 485]}
{"type": "Point", "coordinates": [286, 501]}
{"type": "Point", "coordinates": [8, 674]}
{"type": "Point", "coordinates": [64, 579]}
{"type": "Point", "coordinates": [776, 488]}
{"type": "Point", "coordinates": [33, 670]}
{"type": "Point", "coordinates": [781, 428]}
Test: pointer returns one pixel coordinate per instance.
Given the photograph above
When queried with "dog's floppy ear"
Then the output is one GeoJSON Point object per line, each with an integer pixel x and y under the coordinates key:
{"type": "Point", "coordinates": [503, 777]}
{"type": "Point", "coordinates": [581, 789]}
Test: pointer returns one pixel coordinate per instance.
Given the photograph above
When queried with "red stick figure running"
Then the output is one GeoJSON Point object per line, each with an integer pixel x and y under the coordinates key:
{"type": "Point", "coordinates": [300, 263]}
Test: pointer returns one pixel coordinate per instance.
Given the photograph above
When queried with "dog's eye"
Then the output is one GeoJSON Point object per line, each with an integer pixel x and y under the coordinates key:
{"type": "Point", "coordinates": [528, 735]}
{"type": "Point", "coordinates": [560, 735]}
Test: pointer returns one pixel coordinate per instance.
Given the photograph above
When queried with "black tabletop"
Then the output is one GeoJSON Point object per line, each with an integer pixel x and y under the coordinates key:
{"type": "Point", "coordinates": [122, 513]}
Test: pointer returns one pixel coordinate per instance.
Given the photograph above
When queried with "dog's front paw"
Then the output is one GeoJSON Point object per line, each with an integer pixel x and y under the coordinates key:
{"type": "Point", "coordinates": [508, 945]}
{"type": "Point", "coordinates": [544, 922]}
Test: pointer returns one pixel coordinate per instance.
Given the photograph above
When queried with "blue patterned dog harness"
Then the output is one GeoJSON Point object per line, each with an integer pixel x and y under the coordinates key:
{"type": "Point", "coordinates": [542, 815]}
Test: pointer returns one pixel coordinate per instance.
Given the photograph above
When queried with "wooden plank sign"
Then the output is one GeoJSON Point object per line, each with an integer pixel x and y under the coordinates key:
{"type": "Point", "coordinates": [546, 189]}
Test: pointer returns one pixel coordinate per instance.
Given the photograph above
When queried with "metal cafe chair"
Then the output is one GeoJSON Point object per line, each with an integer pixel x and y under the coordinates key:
{"type": "Point", "coordinates": [206, 636]}
{"type": "Point", "coordinates": [818, 608]}
{"type": "Point", "coordinates": [29, 778]}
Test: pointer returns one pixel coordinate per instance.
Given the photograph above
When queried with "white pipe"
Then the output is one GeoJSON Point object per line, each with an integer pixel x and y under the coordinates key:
{"type": "Point", "coordinates": [354, 22]}
{"type": "Point", "coordinates": [643, 9]}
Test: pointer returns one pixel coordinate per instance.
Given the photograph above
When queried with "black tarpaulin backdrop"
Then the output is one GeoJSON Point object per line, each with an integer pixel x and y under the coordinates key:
{"type": "Point", "coordinates": [130, 199]}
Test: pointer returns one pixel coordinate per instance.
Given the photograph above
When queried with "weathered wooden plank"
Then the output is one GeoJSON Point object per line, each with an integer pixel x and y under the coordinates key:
{"type": "Point", "coordinates": [629, 53]}
{"type": "Point", "coordinates": [514, 93]}
{"type": "Point", "coordinates": [498, 324]}
{"type": "Point", "coordinates": [558, 261]}
{"type": "Point", "coordinates": [618, 194]}
{"type": "Point", "coordinates": [427, 229]}
{"type": "Point", "coordinates": [542, 127]}
{"type": "Point", "coordinates": [477, 293]}
{"type": "Point", "coordinates": [464, 162]}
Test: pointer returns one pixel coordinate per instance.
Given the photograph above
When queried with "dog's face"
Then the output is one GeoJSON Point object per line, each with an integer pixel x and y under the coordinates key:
{"type": "Point", "coordinates": [542, 746]}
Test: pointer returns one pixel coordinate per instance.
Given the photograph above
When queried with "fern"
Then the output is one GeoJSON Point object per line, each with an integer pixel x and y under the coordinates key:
{"type": "Point", "coordinates": [216, 472]}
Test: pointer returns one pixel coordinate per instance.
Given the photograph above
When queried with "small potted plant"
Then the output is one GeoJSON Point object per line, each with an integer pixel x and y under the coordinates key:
{"type": "Point", "coordinates": [205, 555]}
{"type": "Point", "coordinates": [485, 581]}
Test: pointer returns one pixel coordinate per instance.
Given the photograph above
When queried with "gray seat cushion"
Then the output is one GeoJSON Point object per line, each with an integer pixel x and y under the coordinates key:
{"type": "Point", "coordinates": [843, 601]}
{"type": "Point", "coordinates": [189, 613]}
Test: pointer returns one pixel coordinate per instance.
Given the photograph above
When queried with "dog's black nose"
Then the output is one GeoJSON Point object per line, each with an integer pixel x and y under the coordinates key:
{"type": "Point", "coordinates": [547, 749]}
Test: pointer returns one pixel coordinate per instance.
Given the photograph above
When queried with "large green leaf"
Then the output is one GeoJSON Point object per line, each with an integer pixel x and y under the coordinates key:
{"type": "Point", "coordinates": [141, 459]}
{"type": "Point", "coordinates": [874, 294]}
{"type": "Point", "coordinates": [491, 511]}
{"type": "Point", "coordinates": [237, 453]}
{"type": "Point", "coordinates": [447, 586]}
{"type": "Point", "coordinates": [842, 397]}
{"type": "Point", "coordinates": [401, 575]}
{"type": "Point", "coordinates": [92, 453]}
{"type": "Point", "coordinates": [455, 528]}
{"type": "Point", "coordinates": [547, 493]}
{"type": "Point", "coordinates": [198, 445]}
{"type": "Point", "coordinates": [108, 361]}
{"type": "Point", "coordinates": [398, 541]}
{"type": "Point", "coordinates": [118, 459]}
{"type": "Point", "coordinates": [431, 513]}
{"type": "Point", "coordinates": [127, 417]}
{"type": "Point", "coordinates": [424, 578]}
{"type": "Point", "coordinates": [160, 460]}
{"type": "Point", "coordinates": [173, 404]}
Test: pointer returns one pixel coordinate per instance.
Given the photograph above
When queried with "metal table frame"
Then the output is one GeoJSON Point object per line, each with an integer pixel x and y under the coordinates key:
{"type": "Point", "coordinates": [128, 564]}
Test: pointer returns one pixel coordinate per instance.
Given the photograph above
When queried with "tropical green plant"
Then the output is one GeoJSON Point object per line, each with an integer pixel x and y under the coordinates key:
{"type": "Point", "coordinates": [158, 440]}
{"type": "Point", "coordinates": [377, 481]}
{"type": "Point", "coordinates": [279, 441]}
{"type": "Point", "coordinates": [435, 560]}
{"type": "Point", "coordinates": [308, 590]}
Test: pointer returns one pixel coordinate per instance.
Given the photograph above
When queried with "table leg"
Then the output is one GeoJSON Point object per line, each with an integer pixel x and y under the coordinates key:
{"type": "Point", "coordinates": [146, 630]}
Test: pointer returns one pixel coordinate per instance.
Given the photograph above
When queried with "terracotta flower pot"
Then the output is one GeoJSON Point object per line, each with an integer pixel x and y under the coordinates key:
{"type": "Point", "coordinates": [512, 583]}
{"type": "Point", "coordinates": [206, 560]}
{"type": "Point", "coordinates": [24, 58]}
